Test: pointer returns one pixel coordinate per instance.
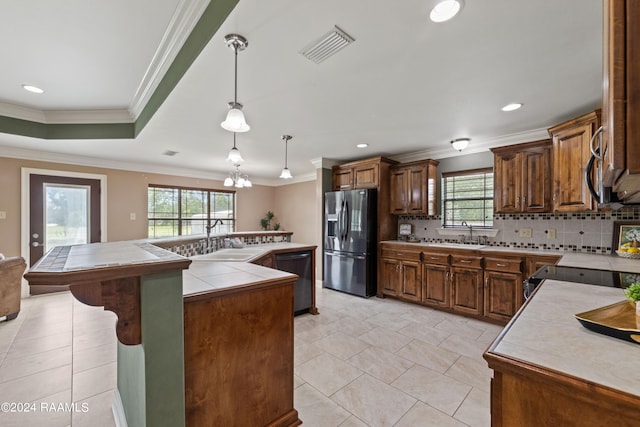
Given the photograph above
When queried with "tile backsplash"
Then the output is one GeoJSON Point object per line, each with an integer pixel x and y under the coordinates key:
{"type": "Point", "coordinates": [576, 232]}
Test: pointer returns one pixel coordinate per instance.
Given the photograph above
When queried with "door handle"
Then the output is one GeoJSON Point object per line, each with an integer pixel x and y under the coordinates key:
{"type": "Point", "coordinates": [36, 244]}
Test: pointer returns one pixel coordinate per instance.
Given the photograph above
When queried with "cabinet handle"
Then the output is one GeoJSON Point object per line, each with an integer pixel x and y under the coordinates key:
{"type": "Point", "coordinates": [465, 261]}
{"type": "Point", "coordinates": [446, 277]}
{"type": "Point", "coordinates": [435, 258]}
{"type": "Point", "coordinates": [501, 265]}
{"type": "Point", "coordinates": [452, 277]}
{"type": "Point", "coordinates": [486, 282]}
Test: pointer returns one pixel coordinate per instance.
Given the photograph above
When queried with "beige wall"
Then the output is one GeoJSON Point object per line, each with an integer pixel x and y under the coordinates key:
{"type": "Point", "coordinates": [295, 210]}
{"type": "Point", "coordinates": [126, 193]}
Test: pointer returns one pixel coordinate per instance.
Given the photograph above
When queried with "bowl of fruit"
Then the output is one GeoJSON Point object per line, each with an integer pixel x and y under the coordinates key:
{"type": "Point", "coordinates": [629, 250]}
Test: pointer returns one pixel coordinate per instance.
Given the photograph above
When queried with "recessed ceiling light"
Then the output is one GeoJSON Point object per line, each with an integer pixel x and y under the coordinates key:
{"type": "Point", "coordinates": [445, 10]}
{"type": "Point", "coordinates": [33, 89]}
{"type": "Point", "coordinates": [362, 145]}
{"type": "Point", "coordinates": [511, 107]}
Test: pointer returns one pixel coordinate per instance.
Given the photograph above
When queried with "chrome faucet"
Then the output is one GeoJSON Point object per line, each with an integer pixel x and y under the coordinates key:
{"type": "Point", "coordinates": [209, 227]}
{"type": "Point", "coordinates": [465, 224]}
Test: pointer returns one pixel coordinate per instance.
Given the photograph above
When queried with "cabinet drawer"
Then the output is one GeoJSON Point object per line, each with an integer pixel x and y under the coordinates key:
{"type": "Point", "coordinates": [501, 264]}
{"type": "Point", "coordinates": [401, 254]}
{"type": "Point", "coordinates": [466, 261]}
{"type": "Point", "coordinates": [435, 258]}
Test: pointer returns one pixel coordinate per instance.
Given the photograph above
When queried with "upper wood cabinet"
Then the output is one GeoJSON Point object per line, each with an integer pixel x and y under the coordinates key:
{"type": "Point", "coordinates": [413, 188]}
{"type": "Point", "coordinates": [621, 98]}
{"type": "Point", "coordinates": [522, 177]}
{"type": "Point", "coordinates": [359, 174]}
{"type": "Point", "coordinates": [571, 152]}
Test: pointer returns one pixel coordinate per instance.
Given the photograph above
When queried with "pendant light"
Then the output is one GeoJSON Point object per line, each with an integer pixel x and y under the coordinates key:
{"type": "Point", "coordinates": [286, 173]}
{"type": "Point", "coordinates": [235, 121]}
{"type": "Point", "coordinates": [234, 154]}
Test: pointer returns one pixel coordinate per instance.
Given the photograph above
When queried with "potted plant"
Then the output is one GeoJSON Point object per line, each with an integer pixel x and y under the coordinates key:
{"type": "Point", "coordinates": [633, 294]}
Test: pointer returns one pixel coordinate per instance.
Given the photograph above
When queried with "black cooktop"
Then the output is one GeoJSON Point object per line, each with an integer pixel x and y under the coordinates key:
{"type": "Point", "coordinates": [615, 279]}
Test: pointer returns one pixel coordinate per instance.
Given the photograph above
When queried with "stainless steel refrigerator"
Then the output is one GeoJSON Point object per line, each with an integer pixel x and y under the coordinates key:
{"type": "Point", "coordinates": [350, 241]}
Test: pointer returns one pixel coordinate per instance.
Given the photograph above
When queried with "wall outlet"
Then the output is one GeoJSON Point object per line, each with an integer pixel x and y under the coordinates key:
{"type": "Point", "coordinates": [551, 233]}
{"type": "Point", "coordinates": [3, 215]}
{"type": "Point", "coordinates": [132, 216]}
{"type": "Point", "coordinates": [525, 232]}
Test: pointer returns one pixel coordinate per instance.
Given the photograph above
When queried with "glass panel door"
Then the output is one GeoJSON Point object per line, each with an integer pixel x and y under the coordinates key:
{"type": "Point", "coordinates": [66, 210]}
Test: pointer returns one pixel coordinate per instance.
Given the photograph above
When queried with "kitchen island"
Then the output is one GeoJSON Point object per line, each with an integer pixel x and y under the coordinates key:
{"type": "Point", "coordinates": [219, 351]}
{"type": "Point", "coordinates": [551, 371]}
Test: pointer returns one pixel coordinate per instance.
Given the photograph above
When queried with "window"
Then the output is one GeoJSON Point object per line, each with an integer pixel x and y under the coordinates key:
{"type": "Point", "coordinates": [177, 211]}
{"type": "Point", "coordinates": [467, 196]}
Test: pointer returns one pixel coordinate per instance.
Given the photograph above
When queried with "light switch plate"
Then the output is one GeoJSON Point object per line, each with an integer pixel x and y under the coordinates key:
{"type": "Point", "coordinates": [525, 232]}
{"type": "Point", "coordinates": [551, 233]}
{"type": "Point", "coordinates": [132, 216]}
{"type": "Point", "coordinates": [3, 215]}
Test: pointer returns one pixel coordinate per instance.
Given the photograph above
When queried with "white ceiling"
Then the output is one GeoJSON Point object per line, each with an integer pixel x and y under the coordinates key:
{"type": "Point", "coordinates": [406, 86]}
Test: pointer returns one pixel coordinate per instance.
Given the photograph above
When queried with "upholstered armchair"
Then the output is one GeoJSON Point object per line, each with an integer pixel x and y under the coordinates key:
{"type": "Point", "coordinates": [11, 271]}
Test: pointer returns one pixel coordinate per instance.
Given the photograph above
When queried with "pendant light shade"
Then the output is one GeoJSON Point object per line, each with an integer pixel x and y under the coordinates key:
{"type": "Point", "coordinates": [235, 121]}
{"type": "Point", "coordinates": [234, 154]}
{"type": "Point", "coordinates": [286, 173]}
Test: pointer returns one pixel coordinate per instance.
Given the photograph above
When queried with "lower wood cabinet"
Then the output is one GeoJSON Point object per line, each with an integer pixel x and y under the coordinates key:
{"type": "Point", "coordinates": [402, 278]}
{"type": "Point", "coordinates": [481, 284]}
{"type": "Point", "coordinates": [466, 290]}
{"type": "Point", "coordinates": [437, 287]}
{"type": "Point", "coordinates": [502, 295]}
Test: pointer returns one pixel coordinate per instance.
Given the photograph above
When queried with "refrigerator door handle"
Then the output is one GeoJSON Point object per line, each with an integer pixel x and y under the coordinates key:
{"type": "Point", "coordinates": [347, 225]}
{"type": "Point", "coordinates": [345, 256]}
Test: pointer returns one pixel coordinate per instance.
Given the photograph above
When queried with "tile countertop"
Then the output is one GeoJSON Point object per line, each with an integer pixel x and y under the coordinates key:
{"type": "Point", "coordinates": [204, 276]}
{"type": "Point", "coordinates": [609, 262]}
{"type": "Point", "coordinates": [211, 277]}
{"type": "Point", "coordinates": [546, 334]}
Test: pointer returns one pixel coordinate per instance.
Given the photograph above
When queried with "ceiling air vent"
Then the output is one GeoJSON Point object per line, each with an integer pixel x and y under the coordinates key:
{"type": "Point", "coordinates": [170, 153]}
{"type": "Point", "coordinates": [326, 45]}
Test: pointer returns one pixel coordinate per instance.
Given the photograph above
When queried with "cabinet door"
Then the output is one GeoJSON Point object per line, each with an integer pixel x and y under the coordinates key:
{"type": "Point", "coordinates": [502, 295]}
{"type": "Point", "coordinates": [399, 185]}
{"type": "Point", "coordinates": [342, 179]}
{"type": "Point", "coordinates": [417, 190]}
{"type": "Point", "coordinates": [536, 185]}
{"type": "Point", "coordinates": [570, 156]}
{"type": "Point", "coordinates": [366, 175]}
{"type": "Point", "coordinates": [507, 182]}
{"type": "Point", "coordinates": [466, 290]}
{"type": "Point", "coordinates": [437, 289]}
{"type": "Point", "coordinates": [411, 280]}
{"type": "Point", "coordinates": [390, 276]}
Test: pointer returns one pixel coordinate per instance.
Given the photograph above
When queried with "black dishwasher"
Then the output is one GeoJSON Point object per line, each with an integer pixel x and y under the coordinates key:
{"type": "Point", "coordinates": [298, 263]}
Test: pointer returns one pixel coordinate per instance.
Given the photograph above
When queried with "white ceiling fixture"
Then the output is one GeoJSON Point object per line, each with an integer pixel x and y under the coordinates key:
{"type": "Point", "coordinates": [234, 154]}
{"type": "Point", "coordinates": [327, 45]}
{"type": "Point", "coordinates": [237, 179]}
{"type": "Point", "coordinates": [363, 145]}
{"type": "Point", "coordinates": [33, 89]}
{"type": "Point", "coordinates": [444, 10]}
{"type": "Point", "coordinates": [286, 173]}
{"type": "Point", "coordinates": [235, 121]}
{"type": "Point", "coordinates": [512, 107]}
{"type": "Point", "coordinates": [460, 143]}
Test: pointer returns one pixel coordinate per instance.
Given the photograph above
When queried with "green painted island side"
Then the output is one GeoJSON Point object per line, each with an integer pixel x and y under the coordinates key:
{"type": "Point", "coordinates": [151, 375]}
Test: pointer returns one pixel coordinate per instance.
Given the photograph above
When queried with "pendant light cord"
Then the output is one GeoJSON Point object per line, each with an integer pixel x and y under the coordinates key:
{"type": "Point", "coordinates": [235, 89]}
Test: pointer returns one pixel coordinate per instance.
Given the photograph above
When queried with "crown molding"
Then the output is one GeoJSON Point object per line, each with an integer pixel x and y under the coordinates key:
{"type": "Point", "coordinates": [323, 163]}
{"type": "Point", "coordinates": [476, 146]}
{"type": "Point", "coordinates": [183, 21]}
{"type": "Point", "coordinates": [71, 159]}
{"type": "Point", "coordinates": [65, 116]}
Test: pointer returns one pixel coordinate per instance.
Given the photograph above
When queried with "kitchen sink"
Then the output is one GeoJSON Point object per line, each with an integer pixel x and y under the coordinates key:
{"type": "Point", "coordinates": [457, 245]}
{"type": "Point", "coordinates": [241, 254]}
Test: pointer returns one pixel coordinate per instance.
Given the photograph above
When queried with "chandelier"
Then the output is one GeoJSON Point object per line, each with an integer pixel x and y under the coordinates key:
{"type": "Point", "coordinates": [237, 179]}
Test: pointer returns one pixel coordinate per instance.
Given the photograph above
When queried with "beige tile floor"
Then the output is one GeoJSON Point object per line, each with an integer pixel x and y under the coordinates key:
{"type": "Point", "coordinates": [361, 362]}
